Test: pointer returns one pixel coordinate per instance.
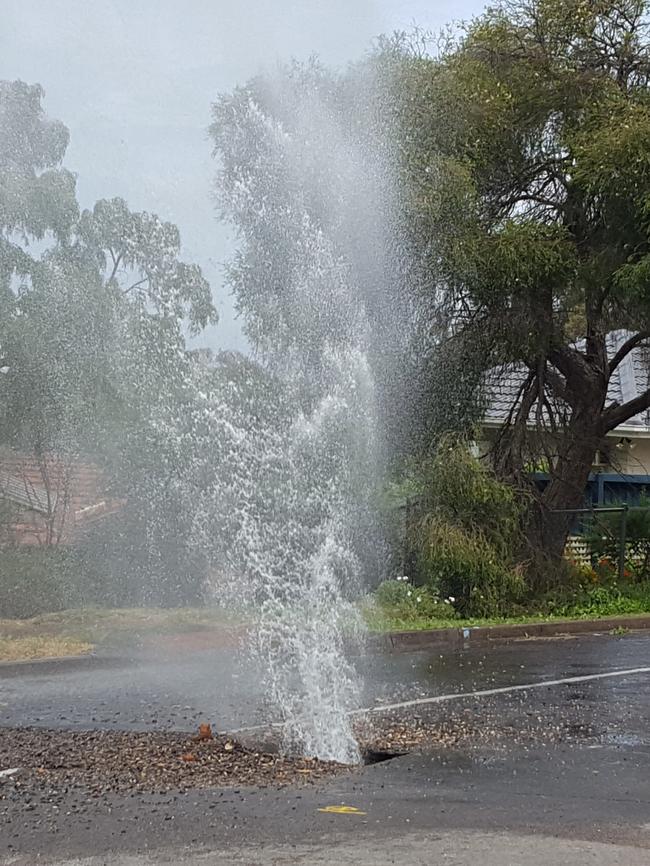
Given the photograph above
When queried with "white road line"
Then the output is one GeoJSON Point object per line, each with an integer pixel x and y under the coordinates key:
{"type": "Point", "coordinates": [483, 693]}
{"type": "Point", "coordinates": [459, 696]}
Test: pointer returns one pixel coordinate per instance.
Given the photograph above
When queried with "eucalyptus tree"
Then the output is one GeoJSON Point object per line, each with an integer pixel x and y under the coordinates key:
{"type": "Point", "coordinates": [95, 307]}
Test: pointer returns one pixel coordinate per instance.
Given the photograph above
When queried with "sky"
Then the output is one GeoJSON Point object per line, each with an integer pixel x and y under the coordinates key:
{"type": "Point", "coordinates": [133, 80]}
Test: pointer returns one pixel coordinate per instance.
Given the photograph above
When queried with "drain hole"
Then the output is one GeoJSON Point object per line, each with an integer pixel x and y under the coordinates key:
{"type": "Point", "coordinates": [378, 756]}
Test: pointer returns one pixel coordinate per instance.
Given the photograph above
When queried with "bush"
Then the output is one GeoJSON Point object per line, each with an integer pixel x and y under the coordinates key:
{"type": "Point", "coordinates": [604, 535]}
{"type": "Point", "coordinates": [107, 569]}
{"type": "Point", "coordinates": [467, 567]}
{"type": "Point", "coordinates": [466, 533]}
{"type": "Point", "coordinates": [466, 492]}
{"type": "Point", "coordinates": [36, 580]}
{"type": "Point", "coordinates": [594, 601]}
{"type": "Point", "coordinates": [401, 600]}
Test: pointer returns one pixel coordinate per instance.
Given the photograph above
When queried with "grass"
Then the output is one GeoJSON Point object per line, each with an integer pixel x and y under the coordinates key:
{"type": "Point", "coordinates": [595, 603]}
{"type": "Point", "coordinates": [77, 631]}
{"type": "Point", "coordinates": [72, 632]}
{"type": "Point", "coordinates": [37, 647]}
{"type": "Point", "coordinates": [382, 620]}
{"type": "Point", "coordinates": [378, 621]}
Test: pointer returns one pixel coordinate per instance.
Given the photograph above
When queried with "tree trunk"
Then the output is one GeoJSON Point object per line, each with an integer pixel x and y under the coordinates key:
{"type": "Point", "coordinates": [566, 489]}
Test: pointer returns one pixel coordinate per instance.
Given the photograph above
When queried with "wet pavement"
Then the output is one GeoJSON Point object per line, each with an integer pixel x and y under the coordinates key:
{"type": "Point", "coordinates": [559, 773]}
{"type": "Point", "coordinates": [175, 689]}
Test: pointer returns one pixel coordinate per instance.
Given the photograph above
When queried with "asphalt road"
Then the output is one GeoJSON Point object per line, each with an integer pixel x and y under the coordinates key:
{"type": "Point", "coordinates": [558, 774]}
{"type": "Point", "coordinates": [172, 689]}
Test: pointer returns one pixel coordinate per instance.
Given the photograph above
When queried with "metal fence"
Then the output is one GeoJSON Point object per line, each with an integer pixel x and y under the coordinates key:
{"type": "Point", "coordinates": [616, 534]}
{"type": "Point", "coordinates": [619, 534]}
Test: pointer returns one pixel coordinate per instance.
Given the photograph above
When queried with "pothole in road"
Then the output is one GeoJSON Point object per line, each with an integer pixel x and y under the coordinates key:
{"type": "Point", "coordinates": [379, 756]}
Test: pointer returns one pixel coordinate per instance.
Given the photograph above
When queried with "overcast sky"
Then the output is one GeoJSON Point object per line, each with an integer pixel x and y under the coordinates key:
{"type": "Point", "coordinates": [134, 80]}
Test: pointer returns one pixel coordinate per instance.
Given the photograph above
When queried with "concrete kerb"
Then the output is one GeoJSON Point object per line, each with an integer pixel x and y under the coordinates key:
{"type": "Point", "coordinates": [405, 641]}
{"type": "Point", "coordinates": [55, 664]}
{"type": "Point", "coordinates": [397, 641]}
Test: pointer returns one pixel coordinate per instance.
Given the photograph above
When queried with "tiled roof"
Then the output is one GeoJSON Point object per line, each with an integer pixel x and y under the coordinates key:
{"type": "Point", "coordinates": [630, 379]}
{"type": "Point", "coordinates": [22, 491]}
{"type": "Point", "coordinates": [77, 495]}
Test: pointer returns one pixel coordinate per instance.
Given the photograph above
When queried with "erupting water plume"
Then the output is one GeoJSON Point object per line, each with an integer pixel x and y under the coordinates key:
{"type": "Point", "coordinates": [287, 510]}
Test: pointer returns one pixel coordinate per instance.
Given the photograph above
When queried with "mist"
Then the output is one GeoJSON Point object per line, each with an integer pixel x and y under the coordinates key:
{"type": "Point", "coordinates": [134, 84]}
{"type": "Point", "coordinates": [137, 473]}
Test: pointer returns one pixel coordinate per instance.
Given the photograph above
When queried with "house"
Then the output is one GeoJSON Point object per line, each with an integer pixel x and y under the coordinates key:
{"type": "Point", "coordinates": [50, 500]}
{"type": "Point", "coordinates": [621, 470]}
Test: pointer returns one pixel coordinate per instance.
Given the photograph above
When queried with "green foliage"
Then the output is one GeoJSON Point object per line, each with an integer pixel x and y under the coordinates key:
{"type": "Point", "coordinates": [465, 566]}
{"type": "Point", "coordinates": [589, 601]}
{"type": "Point", "coordinates": [465, 533]}
{"type": "Point", "coordinates": [108, 569]}
{"type": "Point", "coordinates": [603, 538]}
{"type": "Point", "coordinates": [465, 491]}
{"type": "Point", "coordinates": [36, 580]}
{"type": "Point", "coordinates": [92, 346]}
{"type": "Point", "coordinates": [398, 599]}
{"type": "Point", "coordinates": [526, 168]}
{"type": "Point", "coordinates": [37, 195]}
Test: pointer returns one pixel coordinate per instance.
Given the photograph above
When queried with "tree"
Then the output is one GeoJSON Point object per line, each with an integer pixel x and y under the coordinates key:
{"type": "Point", "coordinates": [37, 195]}
{"type": "Point", "coordinates": [306, 178]}
{"type": "Point", "coordinates": [527, 157]}
{"type": "Point", "coordinates": [92, 334]}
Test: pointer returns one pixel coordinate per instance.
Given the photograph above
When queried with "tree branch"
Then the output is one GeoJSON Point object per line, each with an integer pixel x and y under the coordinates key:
{"type": "Point", "coordinates": [570, 362]}
{"type": "Point", "coordinates": [116, 264]}
{"type": "Point", "coordinates": [136, 285]}
{"type": "Point", "coordinates": [617, 414]}
{"type": "Point", "coordinates": [557, 385]}
{"type": "Point", "coordinates": [626, 348]}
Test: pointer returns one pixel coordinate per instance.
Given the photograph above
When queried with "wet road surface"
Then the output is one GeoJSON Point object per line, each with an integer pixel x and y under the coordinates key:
{"type": "Point", "coordinates": [176, 690]}
{"type": "Point", "coordinates": [558, 774]}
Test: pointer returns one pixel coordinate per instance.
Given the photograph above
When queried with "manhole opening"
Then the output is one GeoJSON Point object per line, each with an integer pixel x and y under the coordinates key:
{"type": "Point", "coordinates": [378, 756]}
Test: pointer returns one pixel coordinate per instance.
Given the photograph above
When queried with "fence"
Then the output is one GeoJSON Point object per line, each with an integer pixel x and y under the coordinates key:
{"type": "Point", "coordinates": [617, 534]}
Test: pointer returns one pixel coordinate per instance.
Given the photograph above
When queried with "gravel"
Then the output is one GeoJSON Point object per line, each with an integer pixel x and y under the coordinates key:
{"type": "Point", "coordinates": [105, 761]}
{"type": "Point", "coordinates": [496, 724]}
{"type": "Point", "coordinates": [126, 761]}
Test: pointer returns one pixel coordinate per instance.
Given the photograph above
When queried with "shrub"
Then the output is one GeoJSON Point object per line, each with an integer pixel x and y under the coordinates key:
{"type": "Point", "coordinates": [465, 566]}
{"type": "Point", "coordinates": [390, 593]}
{"type": "Point", "coordinates": [604, 535]}
{"type": "Point", "coordinates": [402, 600]}
{"type": "Point", "coordinates": [36, 580]}
{"type": "Point", "coordinates": [467, 493]}
{"type": "Point", "coordinates": [595, 601]}
{"type": "Point", "coordinates": [106, 569]}
{"type": "Point", "coordinates": [466, 533]}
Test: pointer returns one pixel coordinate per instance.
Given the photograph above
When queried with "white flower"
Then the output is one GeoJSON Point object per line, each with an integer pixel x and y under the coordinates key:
{"type": "Point", "coordinates": [409, 593]}
{"type": "Point", "coordinates": [419, 598]}
{"type": "Point", "coordinates": [451, 599]}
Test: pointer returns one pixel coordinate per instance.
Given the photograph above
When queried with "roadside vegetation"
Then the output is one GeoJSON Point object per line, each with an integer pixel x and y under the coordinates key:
{"type": "Point", "coordinates": [465, 560]}
{"type": "Point", "coordinates": [13, 649]}
{"type": "Point", "coordinates": [520, 154]}
{"type": "Point", "coordinates": [583, 602]}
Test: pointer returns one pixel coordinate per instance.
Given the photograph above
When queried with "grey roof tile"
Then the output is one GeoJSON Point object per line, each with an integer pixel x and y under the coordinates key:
{"type": "Point", "coordinates": [23, 493]}
{"type": "Point", "coordinates": [630, 379]}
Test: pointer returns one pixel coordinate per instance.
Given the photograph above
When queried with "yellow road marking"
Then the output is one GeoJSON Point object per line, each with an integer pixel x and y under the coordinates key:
{"type": "Point", "coordinates": [342, 810]}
